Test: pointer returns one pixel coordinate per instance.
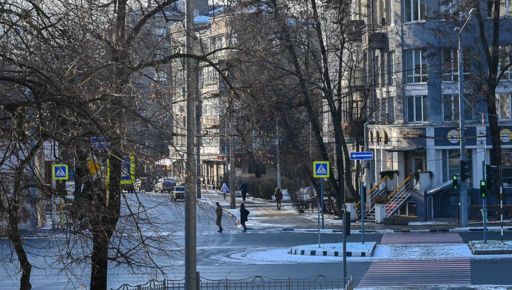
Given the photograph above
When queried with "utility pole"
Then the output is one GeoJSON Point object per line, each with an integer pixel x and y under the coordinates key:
{"type": "Point", "coordinates": [199, 112]}
{"type": "Point", "coordinates": [462, 173]}
{"type": "Point", "coordinates": [278, 161]}
{"type": "Point", "coordinates": [191, 282]}
{"type": "Point", "coordinates": [232, 187]}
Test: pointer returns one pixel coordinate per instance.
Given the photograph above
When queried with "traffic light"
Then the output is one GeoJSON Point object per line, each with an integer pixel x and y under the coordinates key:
{"type": "Point", "coordinates": [483, 188]}
{"type": "Point", "coordinates": [465, 170]}
{"type": "Point", "coordinates": [455, 182]}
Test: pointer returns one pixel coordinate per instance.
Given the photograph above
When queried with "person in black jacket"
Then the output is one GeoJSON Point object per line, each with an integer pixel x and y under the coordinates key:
{"type": "Point", "coordinates": [243, 189]}
{"type": "Point", "coordinates": [244, 213]}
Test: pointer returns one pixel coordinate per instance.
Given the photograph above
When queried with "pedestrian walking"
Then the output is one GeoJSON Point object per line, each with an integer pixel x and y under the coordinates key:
{"type": "Point", "coordinates": [244, 213]}
{"type": "Point", "coordinates": [224, 189]}
{"type": "Point", "coordinates": [243, 189]}
{"type": "Point", "coordinates": [278, 195]}
{"type": "Point", "coordinates": [218, 212]}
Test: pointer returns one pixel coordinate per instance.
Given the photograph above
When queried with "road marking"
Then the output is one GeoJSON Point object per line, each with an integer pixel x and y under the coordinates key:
{"type": "Point", "coordinates": [415, 272]}
{"type": "Point", "coordinates": [421, 238]}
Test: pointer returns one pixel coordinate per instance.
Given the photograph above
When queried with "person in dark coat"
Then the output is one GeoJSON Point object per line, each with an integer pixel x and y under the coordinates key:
{"type": "Point", "coordinates": [244, 213]}
{"type": "Point", "coordinates": [218, 212]}
{"type": "Point", "coordinates": [278, 194]}
{"type": "Point", "coordinates": [243, 189]}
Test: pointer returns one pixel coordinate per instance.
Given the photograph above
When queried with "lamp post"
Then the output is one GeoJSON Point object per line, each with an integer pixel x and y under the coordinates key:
{"type": "Point", "coordinates": [463, 188]}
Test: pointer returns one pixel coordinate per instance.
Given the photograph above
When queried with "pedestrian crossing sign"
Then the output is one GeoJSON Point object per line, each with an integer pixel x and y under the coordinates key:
{"type": "Point", "coordinates": [60, 172]}
{"type": "Point", "coordinates": [321, 169]}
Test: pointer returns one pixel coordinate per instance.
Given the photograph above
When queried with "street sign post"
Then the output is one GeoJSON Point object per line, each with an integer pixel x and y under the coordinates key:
{"type": "Point", "coordinates": [321, 169]}
{"type": "Point", "coordinates": [60, 172]}
{"type": "Point", "coordinates": [128, 170]}
{"type": "Point", "coordinates": [365, 155]}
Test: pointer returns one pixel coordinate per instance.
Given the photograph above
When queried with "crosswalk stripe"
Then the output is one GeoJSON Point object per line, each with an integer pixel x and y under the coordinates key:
{"type": "Point", "coordinates": [417, 272]}
{"type": "Point", "coordinates": [421, 238]}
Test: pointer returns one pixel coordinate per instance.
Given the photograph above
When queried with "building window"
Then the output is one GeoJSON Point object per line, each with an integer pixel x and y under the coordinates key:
{"type": "Point", "coordinates": [391, 68]}
{"type": "Point", "coordinates": [503, 105]}
{"type": "Point", "coordinates": [506, 161]}
{"type": "Point", "coordinates": [450, 69]}
{"type": "Point", "coordinates": [417, 109]}
{"type": "Point", "coordinates": [505, 59]}
{"type": "Point", "coordinates": [451, 163]}
{"type": "Point", "coordinates": [450, 107]}
{"type": "Point", "coordinates": [382, 66]}
{"type": "Point", "coordinates": [415, 66]}
{"type": "Point", "coordinates": [505, 8]}
{"type": "Point", "coordinates": [414, 10]}
{"type": "Point", "coordinates": [376, 70]}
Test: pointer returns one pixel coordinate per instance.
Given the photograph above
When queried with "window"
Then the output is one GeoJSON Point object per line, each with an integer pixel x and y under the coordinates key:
{"type": "Point", "coordinates": [376, 70]}
{"type": "Point", "coordinates": [414, 10]}
{"type": "Point", "coordinates": [386, 108]}
{"type": "Point", "coordinates": [450, 107]}
{"type": "Point", "coordinates": [382, 66]}
{"type": "Point", "coordinates": [503, 106]}
{"type": "Point", "coordinates": [391, 68]}
{"type": "Point", "coordinates": [450, 69]}
{"type": "Point", "coordinates": [451, 163]}
{"type": "Point", "coordinates": [162, 77]}
{"type": "Point", "coordinates": [505, 59]}
{"type": "Point", "coordinates": [506, 161]}
{"type": "Point", "coordinates": [415, 66]}
{"type": "Point", "coordinates": [159, 31]}
{"type": "Point", "coordinates": [505, 8]}
{"type": "Point", "coordinates": [417, 108]}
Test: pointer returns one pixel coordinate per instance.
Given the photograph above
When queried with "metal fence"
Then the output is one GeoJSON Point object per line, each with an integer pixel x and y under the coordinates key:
{"type": "Point", "coordinates": [253, 283]}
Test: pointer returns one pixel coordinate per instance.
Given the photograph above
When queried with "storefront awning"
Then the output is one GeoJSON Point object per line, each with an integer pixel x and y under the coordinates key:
{"type": "Point", "coordinates": [407, 148]}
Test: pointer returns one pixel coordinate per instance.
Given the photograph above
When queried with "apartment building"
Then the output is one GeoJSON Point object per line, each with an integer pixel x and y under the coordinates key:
{"type": "Point", "coordinates": [213, 34]}
{"type": "Point", "coordinates": [410, 52]}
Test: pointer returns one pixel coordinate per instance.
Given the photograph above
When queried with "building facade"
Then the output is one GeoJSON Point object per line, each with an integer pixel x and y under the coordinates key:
{"type": "Point", "coordinates": [410, 50]}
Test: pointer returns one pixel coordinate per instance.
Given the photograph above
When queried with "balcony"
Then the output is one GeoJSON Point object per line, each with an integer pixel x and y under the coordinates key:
{"type": "Point", "coordinates": [375, 38]}
{"type": "Point", "coordinates": [355, 30]}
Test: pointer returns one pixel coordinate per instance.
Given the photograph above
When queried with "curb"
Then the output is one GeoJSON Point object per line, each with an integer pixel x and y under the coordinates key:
{"type": "Point", "coordinates": [331, 253]}
{"type": "Point", "coordinates": [387, 231]}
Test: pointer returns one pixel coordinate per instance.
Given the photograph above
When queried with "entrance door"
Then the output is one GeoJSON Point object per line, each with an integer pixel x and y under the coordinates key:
{"type": "Point", "coordinates": [418, 164]}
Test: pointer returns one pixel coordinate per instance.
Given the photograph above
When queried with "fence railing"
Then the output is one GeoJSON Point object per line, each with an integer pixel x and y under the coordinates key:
{"type": "Point", "coordinates": [253, 283]}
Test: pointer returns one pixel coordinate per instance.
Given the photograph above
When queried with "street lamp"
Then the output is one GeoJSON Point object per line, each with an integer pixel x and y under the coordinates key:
{"type": "Point", "coordinates": [463, 189]}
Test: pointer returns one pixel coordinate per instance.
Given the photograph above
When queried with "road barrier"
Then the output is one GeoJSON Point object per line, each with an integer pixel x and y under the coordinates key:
{"type": "Point", "coordinates": [255, 283]}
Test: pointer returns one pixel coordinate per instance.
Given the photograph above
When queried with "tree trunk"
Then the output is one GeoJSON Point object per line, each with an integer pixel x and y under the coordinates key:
{"type": "Point", "coordinates": [15, 238]}
{"type": "Point", "coordinates": [493, 126]}
{"type": "Point", "coordinates": [99, 260]}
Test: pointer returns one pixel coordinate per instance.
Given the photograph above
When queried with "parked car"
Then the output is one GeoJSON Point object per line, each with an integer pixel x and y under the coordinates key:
{"type": "Point", "coordinates": [168, 184]}
{"type": "Point", "coordinates": [179, 192]}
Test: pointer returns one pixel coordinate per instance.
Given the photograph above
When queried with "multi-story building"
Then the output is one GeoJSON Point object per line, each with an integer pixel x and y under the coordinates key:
{"type": "Point", "coordinates": [213, 32]}
{"type": "Point", "coordinates": [410, 50]}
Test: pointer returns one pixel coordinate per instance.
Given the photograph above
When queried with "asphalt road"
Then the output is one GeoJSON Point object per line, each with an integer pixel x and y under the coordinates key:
{"type": "Point", "coordinates": [219, 256]}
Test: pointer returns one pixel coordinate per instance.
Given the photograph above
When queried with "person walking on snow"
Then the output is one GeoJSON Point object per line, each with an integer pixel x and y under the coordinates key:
{"type": "Point", "coordinates": [244, 213]}
{"type": "Point", "coordinates": [278, 194]}
{"type": "Point", "coordinates": [243, 189]}
{"type": "Point", "coordinates": [218, 211]}
{"type": "Point", "coordinates": [224, 189]}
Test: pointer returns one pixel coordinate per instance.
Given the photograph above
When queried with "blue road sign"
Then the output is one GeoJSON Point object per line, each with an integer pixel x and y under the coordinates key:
{"type": "Point", "coordinates": [99, 143]}
{"type": "Point", "coordinates": [60, 172]}
{"type": "Point", "coordinates": [368, 155]}
{"type": "Point", "coordinates": [321, 169]}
